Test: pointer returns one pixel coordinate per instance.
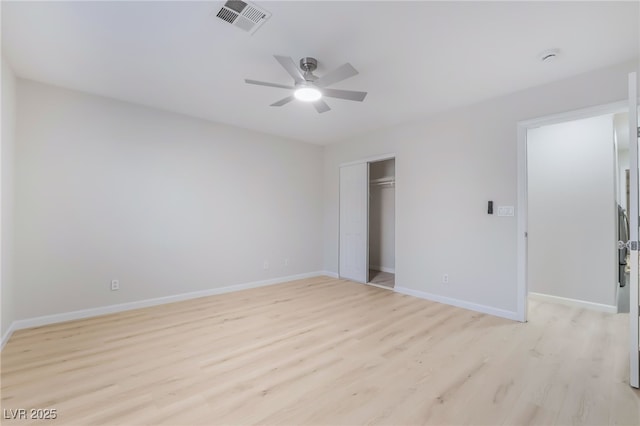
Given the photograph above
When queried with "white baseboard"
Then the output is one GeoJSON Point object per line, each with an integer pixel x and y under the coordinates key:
{"type": "Point", "coordinates": [382, 268]}
{"type": "Point", "coordinates": [330, 274]}
{"type": "Point", "coordinates": [111, 309]}
{"type": "Point", "coordinates": [459, 303]}
{"type": "Point", "coordinates": [574, 303]}
{"type": "Point", "coordinates": [7, 334]}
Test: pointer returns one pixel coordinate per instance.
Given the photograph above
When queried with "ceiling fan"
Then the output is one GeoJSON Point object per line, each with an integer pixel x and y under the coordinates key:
{"type": "Point", "coordinates": [309, 88]}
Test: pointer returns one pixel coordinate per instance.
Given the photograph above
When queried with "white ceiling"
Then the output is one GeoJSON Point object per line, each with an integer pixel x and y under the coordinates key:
{"type": "Point", "coordinates": [414, 58]}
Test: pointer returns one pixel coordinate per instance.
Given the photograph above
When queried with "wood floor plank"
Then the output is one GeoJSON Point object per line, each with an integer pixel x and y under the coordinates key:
{"type": "Point", "coordinates": [384, 279]}
{"type": "Point", "coordinates": [323, 351]}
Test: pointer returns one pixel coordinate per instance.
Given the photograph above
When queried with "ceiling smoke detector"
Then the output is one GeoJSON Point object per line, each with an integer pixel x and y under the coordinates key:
{"type": "Point", "coordinates": [549, 55]}
{"type": "Point", "coordinates": [243, 14]}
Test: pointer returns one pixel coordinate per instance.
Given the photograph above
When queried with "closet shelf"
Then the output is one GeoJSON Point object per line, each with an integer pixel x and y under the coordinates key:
{"type": "Point", "coordinates": [388, 180]}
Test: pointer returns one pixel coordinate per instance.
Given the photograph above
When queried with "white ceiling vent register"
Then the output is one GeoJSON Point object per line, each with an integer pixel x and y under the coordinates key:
{"type": "Point", "coordinates": [244, 15]}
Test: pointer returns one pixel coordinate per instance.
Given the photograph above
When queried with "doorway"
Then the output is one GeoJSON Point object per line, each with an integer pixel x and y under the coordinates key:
{"type": "Point", "coordinates": [572, 198]}
{"type": "Point", "coordinates": [632, 207]}
{"type": "Point", "coordinates": [523, 239]}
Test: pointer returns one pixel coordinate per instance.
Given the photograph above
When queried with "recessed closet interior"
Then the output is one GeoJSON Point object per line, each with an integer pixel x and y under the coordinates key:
{"type": "Point", "coordinates": [382, 233]}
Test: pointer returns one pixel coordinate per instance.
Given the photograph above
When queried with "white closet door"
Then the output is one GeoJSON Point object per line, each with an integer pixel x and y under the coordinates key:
{"type": "Point", "coordinates": [354, 216]}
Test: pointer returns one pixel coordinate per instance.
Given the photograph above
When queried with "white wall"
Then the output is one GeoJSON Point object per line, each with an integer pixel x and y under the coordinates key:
{"type": "Point", "coordinates": [165, 203]}
{"type": "Point", "coordinates": [447, 167]}
{"type": "Point", "coordinates": [6, 200]}
{"type": "Point", "coordinates": [572, 210]}
{"type": "Point", "coordinates": [382, 219]}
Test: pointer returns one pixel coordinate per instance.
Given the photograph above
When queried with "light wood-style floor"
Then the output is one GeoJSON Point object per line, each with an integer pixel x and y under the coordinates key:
{"type": "Point", "coordinates": [326, 352]}
{"type": "Point", "coordinates": [385, 279]}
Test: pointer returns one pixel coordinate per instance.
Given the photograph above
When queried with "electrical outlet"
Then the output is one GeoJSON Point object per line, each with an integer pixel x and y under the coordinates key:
{"type": "Point", "coordinates": [115, 285]}
{"type": "Point", "coordinates": [445, 278]}
{"type": "Point", "coordinates": [286, 262]}
{"type": "Point", "coordinates": [265, 265]}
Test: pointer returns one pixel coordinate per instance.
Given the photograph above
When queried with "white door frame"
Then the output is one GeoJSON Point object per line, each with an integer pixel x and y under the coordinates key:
{"type": "Point", "coordinates": [371, 159]}
{"type": "Point", "coordinates": [522, 203]}
{"type": "Point", "coordinates": [634, 356]}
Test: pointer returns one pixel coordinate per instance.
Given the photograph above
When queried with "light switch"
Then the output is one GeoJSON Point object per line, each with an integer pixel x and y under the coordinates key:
{"type": "Point", "coordinates": [506, 210]}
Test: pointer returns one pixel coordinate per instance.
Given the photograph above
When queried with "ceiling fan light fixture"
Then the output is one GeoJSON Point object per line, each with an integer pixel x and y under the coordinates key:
{"type": "Point", "coordinates": [307, 94]}
{"type": "Point", "coordinates": [309, 88]}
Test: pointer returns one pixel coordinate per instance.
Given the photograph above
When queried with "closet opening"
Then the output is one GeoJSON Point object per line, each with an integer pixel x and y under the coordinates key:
{"type": "Point", "coordinates": [367, 231]}
{"type": "Point", "coordinates": [382, 233]}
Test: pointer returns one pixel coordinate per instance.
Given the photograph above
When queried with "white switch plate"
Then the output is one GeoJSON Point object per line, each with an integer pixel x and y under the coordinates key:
{"type": "Point", "coordinates": [506, 210]}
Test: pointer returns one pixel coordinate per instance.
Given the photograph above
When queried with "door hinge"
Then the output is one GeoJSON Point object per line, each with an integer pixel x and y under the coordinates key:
{"type": "Point", "coordinates": [639, 132]}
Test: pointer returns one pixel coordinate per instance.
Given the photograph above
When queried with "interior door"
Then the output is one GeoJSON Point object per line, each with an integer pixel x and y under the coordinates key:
{"type": "Point", "coordinates": [354, 217]}
{"type": "Point", "coordinates": [634, 370]}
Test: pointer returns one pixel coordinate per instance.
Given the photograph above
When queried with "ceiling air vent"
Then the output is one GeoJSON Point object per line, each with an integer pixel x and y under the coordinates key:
{"type": "Point", "coordinates": [244, 15]}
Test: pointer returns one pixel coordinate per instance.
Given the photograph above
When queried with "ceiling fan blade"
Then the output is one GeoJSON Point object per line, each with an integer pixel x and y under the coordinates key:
{"type": "Point", "coordinates": [264, 83]}
{"type": "Point", "coordinates": [293, 70]}
{"type": "Point", "coordinates": [283, 101]}
{"type": "Point", "coordinates": [321, 106]}
{"type": "Point", "coordinates": [341, 73]}
{"type": "Point", "coordinates": [350, 95]}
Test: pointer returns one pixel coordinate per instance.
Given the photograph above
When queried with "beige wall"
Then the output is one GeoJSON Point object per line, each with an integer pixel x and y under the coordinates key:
{"type": "Point", "coordinates": [447, 167]}
{"type": "Point", "coordinates": [165, 203]}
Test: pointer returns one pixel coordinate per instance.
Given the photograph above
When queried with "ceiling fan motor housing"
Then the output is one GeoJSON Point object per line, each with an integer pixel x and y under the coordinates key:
{"type": "Point", "coordinates": [308, 65]}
